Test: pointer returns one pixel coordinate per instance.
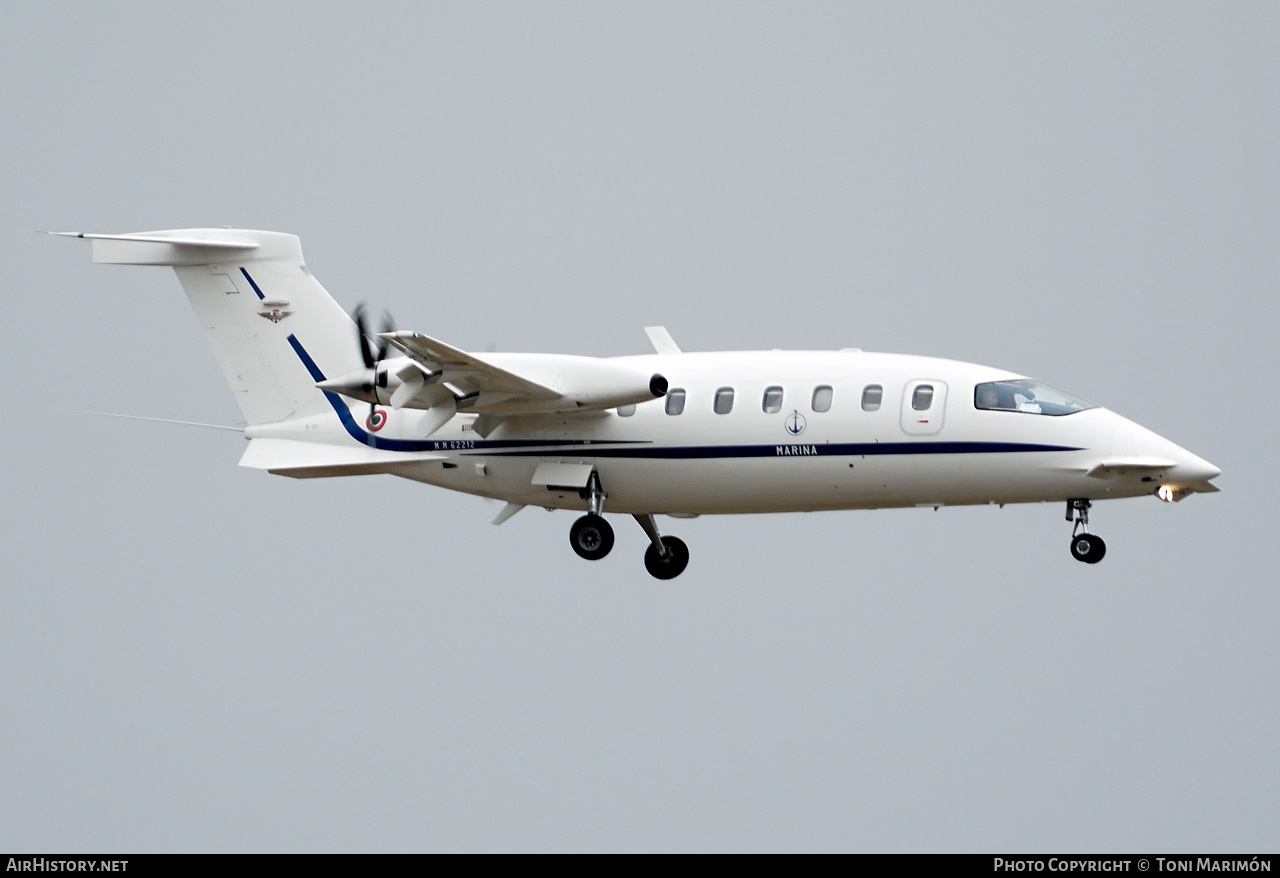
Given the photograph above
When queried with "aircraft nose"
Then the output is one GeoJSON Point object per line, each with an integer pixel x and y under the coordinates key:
{"type": "Point", "coordinates": [1135, 441]}
{"type": "Point", "coordinates": [1196, 469]}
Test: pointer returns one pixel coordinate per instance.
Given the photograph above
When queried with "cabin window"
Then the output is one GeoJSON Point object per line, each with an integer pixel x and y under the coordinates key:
{"type": "Point", "coordinates": [871, 396]}
{"type": "Point", "coordinates": [822, 398]}
{"type": "Point", "coordinates": [724, 401]}
{"type": "Point", "coordinates": [675, 401]}
{"type": "Point", "coordinates": [922, 398]}
{"type": "Point", "coordinates": [772, 399]}
{"type": "Point", "coordinates": [1027, 396]}
{"type": "Point", "coordinates": [626, 411]}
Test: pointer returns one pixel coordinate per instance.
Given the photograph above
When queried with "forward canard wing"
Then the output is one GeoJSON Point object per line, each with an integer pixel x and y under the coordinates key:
{"type": "Point", "coordinates": [1125, 466]}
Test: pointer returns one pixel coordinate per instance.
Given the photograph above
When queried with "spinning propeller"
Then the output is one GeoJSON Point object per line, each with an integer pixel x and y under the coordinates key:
{"type": "Point", "coordinates": [373, 350]}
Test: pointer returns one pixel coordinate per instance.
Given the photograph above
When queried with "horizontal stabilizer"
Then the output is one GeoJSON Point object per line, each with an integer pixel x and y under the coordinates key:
{"type": "Point", "coordinates": [149, 238]}
{"type": "Point", "coordinates": [309, 460]}
{"type": "Point", "coordinates": [176, 247]}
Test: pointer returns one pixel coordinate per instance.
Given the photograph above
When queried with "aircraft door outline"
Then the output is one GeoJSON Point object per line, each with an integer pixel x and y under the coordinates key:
{"type": "Point", "coordinates": [924, 404]}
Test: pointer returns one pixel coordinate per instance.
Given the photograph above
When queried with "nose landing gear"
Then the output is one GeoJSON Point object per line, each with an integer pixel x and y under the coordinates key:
{"type": "Point", "coordinates": [1085, 546]}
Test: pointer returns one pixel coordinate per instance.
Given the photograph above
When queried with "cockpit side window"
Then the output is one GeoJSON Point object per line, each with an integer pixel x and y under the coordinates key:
{"type": "Point", "coordinates": [1028, 397]}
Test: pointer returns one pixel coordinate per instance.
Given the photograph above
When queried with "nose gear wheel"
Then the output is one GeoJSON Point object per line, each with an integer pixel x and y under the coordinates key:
{"type": "Point", "coordinates": [1085, 546]}
{"type": "Point", "coordinates": [1088, 548]}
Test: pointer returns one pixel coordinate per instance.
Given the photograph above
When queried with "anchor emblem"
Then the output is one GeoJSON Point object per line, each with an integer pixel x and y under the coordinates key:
{"type": "Point", "coordinates": [795, 423]}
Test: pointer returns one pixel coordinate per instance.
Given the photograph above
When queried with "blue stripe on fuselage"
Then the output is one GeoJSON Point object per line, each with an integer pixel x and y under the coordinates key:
{"type": "Point", "coordinates": [831, 449]}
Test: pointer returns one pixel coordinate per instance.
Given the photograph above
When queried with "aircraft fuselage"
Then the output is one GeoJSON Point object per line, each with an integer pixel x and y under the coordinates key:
{"type": "Point", "coordinates": [792, 458]}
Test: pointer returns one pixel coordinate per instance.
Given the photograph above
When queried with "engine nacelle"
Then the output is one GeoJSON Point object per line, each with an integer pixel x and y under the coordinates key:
{"type": "Point", "coordinates": [582, 382]}
{"type": "Point", "coordinates": [572, 384]}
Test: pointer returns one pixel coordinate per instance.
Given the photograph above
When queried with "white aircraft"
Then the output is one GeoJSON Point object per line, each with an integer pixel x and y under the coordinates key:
{"type": "Point", "coordinates": [668, 433]}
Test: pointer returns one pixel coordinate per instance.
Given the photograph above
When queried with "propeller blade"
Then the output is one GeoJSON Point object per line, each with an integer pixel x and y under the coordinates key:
{"type": "Point", "coordinates": [366, 348]}
{"type": "Point", "coordinates": [388, 325]}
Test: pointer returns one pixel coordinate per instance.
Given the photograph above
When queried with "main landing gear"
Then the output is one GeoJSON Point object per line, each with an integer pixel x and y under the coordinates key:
{"type": "Point", "coordinates": [592, 537]}
{"type": "Point", "coordinates": [1085, 546]}
{"type": "Point", "coordinates": [666, 557]}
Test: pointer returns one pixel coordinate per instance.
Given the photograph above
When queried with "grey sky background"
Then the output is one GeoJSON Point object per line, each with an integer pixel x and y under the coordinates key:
{"type": "Point", "coordinates": [202, 658]}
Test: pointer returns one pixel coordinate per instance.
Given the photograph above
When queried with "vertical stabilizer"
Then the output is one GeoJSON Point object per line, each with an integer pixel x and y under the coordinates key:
{"type": "Point", "coordinates": [252, 294]}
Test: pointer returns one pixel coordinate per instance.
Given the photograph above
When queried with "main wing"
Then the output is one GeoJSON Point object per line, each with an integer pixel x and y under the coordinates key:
{"type": "Point", "coordinates": [512, 384]}
{"type": "Point", "coordinates": [469, 375]}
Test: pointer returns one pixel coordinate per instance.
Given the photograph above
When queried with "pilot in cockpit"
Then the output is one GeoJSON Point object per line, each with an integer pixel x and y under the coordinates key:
{"type": "Point", "coordinates": [1027, 396]}
{"type": "Point", "coordinates": [997, 397]}
{"type": "Point", "coordinates": [1006, 397]}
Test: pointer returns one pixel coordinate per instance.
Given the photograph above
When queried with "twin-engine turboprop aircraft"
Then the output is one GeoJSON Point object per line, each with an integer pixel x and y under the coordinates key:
{"type": "Point", "coordinates": [668, 433]}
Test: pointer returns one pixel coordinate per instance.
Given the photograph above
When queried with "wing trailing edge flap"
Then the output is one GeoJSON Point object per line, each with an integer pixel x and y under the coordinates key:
{"type": "Point", "coordinates": [300, 459]}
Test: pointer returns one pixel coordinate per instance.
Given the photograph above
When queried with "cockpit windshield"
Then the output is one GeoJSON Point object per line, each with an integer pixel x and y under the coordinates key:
{"type": "Point", "coordinates": [1028, 396]}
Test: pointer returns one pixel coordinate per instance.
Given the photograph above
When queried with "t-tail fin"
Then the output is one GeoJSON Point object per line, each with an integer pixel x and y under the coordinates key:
{"type": "Point", "coordinates": [259, 307]}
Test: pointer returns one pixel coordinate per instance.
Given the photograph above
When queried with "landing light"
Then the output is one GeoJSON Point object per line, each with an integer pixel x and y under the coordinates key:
{"type": "Point", "coordinates": [1165, 493]}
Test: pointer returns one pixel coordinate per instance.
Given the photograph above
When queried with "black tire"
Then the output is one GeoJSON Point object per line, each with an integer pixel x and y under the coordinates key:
{"type": "Point", "coordinates": [672, 564]}
{"type": "Point", "coordinates": [1088, 548]}
{"type": "Point", "coordinates": [591, 537]}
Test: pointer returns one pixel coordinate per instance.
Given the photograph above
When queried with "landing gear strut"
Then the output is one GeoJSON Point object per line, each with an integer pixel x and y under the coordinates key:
{"type": "Point", "coordinates": [1085, 546]}
{"type": "Point", "coordinates": [666, 557]}
{"type": "Point", "coordinates": [591, 536]}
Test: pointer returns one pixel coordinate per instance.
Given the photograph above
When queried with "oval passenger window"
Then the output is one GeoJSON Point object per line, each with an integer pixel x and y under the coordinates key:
{"type": "Point", "coordinates": [922, 398]}
{"type": "Point", "coordinates": [675, 401]}
{"type": "Point", "coordinates": [724, 401]}
{"type": "Point", "coordinates": [772, 399]}
{"type": "Point", "coordinates": [822, 398]}
{"type": "Point", "coordinates": [871, 396]}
